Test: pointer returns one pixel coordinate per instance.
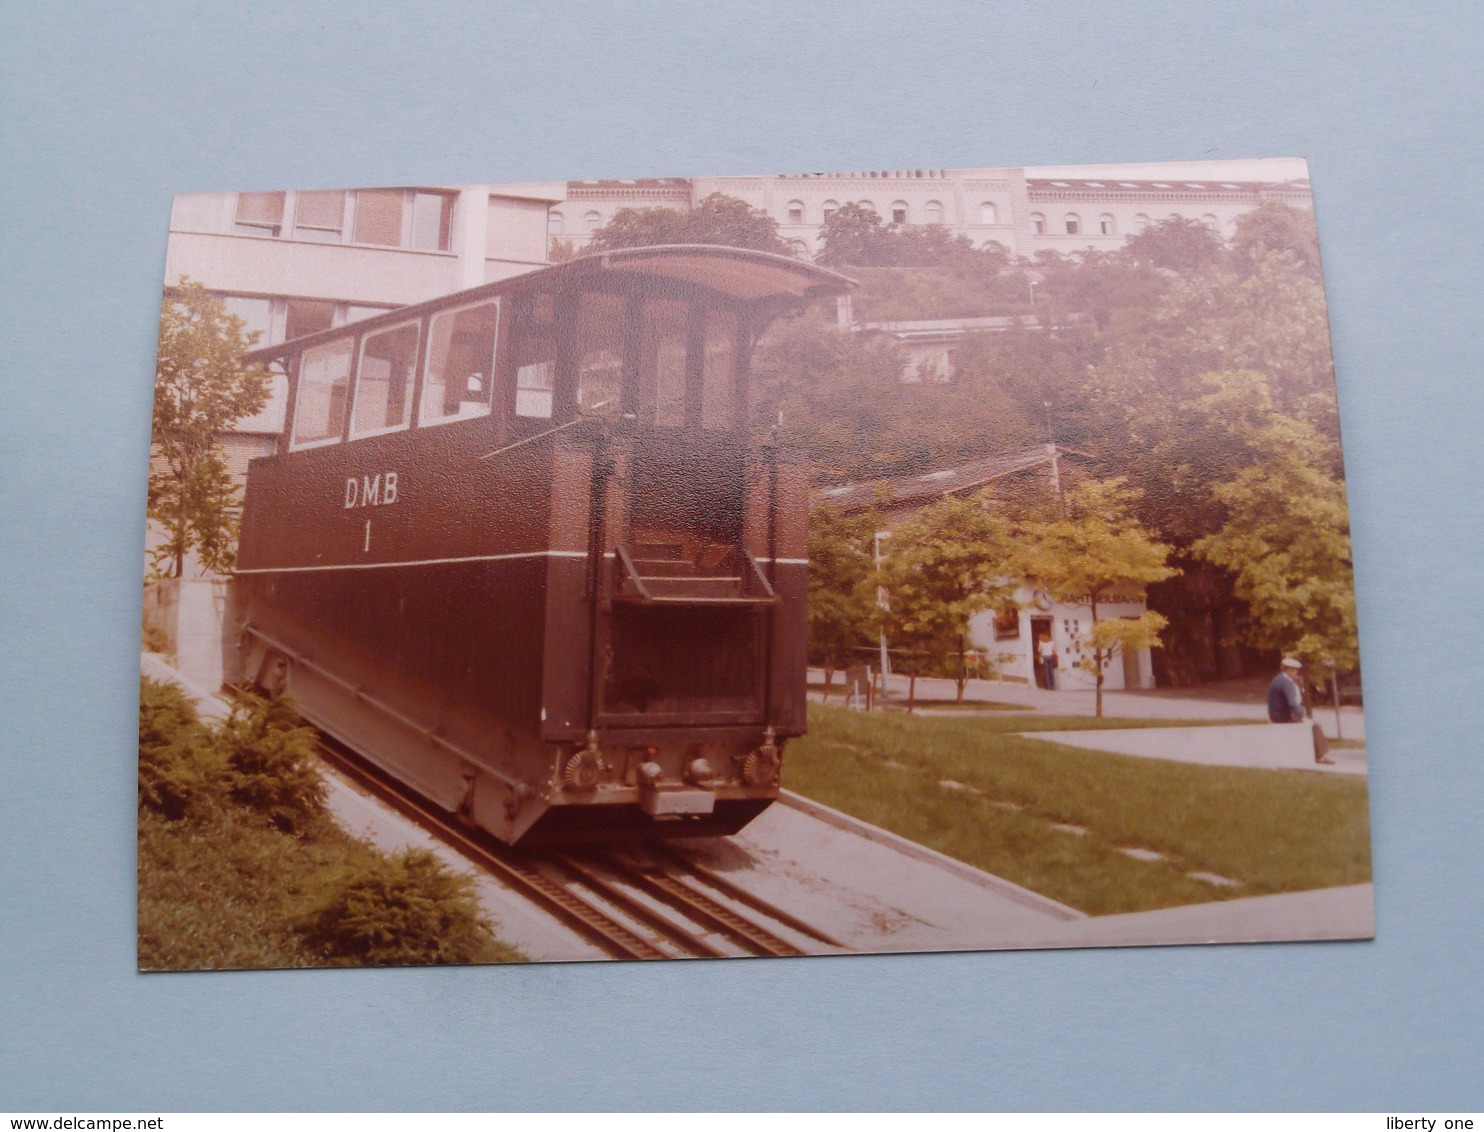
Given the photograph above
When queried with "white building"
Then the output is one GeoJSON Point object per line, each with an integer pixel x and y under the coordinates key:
{"type": "Point", "coordinates": [1011, 641]}
{"type": "Point", "coordinates": [290, 263]}
{"type": "Point", "coordinates": [1023, 210]}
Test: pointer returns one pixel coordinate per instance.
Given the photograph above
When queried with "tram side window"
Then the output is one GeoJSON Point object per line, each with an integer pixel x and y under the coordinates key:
{"type": "Point", "coordinates": [535, 357]}
{"type": "Point", "coordinates": [384, 381]}
{"type": "Point", "coordinates": [719, 371]}
{"type": "Point", "coordinates": [600, 335]}
{"type": "Point", "coordinates": [662, 359]}
{"type": "Point", "coordinates": [461, 364]}
{"type": "Point", "coordinates": [324, 384]}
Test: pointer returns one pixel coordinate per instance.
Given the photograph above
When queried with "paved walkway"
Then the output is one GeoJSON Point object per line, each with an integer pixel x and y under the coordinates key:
{"type": "Point", "coordinates": [1227, 700]}
{"type": "Point", "coordinates": [1267, 746]}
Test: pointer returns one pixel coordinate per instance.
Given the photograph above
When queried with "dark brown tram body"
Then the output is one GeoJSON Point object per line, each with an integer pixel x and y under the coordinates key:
{"type": "Point", "coordinates": [523, 548]}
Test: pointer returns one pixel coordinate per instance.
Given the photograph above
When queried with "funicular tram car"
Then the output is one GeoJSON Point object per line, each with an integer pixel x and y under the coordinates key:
{"type": "Point", "coordinates": [522, 547]}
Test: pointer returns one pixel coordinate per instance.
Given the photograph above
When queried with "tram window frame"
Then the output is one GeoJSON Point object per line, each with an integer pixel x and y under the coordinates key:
{"type": "Point", "coordinates": [533, 319]}
{"type": "Point", "coordinates": [410, 402]}
{"type": "Point", "coordinates": [350, 343]}
{"type": "Point", "coordinates": [491, 371]}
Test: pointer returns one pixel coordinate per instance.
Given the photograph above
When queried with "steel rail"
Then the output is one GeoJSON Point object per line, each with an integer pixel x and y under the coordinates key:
{"type": "Point", "coordinates": [715, 880]}
{"type": "Point", "coordinates": [698, 906]}
{"type": "Point", "coordinates": [527, 873]}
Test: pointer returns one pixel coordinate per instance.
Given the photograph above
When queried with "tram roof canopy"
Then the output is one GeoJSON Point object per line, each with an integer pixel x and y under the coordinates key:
{"type": "Point", "coordinates": [742, 274]}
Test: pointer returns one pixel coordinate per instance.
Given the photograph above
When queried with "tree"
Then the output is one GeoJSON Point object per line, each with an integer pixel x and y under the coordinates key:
{"type": "Point", "coordinates": [718, 219]}
{"type": "Point", "coordinates": [1276, 227]}
{"type": "Point", "coordinates": [854, 235]}
{"type": "Point", "coordinates": [841, 605]}
{"type": "Point", "coordinates": [1176, 244]}
{"type": "Point", "coordinates": [1287, 544]}
{"type": "Point", "coordinates": [201, 389]}
{"type": "Point", "coordinates": [1097, 552]}
{"type": "Point", "coordinates": [949, 562]}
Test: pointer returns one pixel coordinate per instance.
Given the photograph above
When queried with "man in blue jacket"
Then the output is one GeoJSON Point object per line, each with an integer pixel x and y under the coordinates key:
{"type": "Point", "coordinates": [1286, 705]}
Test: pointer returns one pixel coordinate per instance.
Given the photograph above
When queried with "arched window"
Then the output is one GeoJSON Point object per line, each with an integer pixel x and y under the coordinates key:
{"type": "Point", "coordinates": [988, 214]}
{"type": "Point", "coordinates": [1141, 222]}
{"type": "Point", "coordinates": [899, 212]}
{"type": "Point", "coordinates": [798, 249]}
{"type": "Point", "coordinates": [830, 207]}
{"type": "Point", "coordinates": [554, 223]}
{"type": "Point", "coordinates": [592, 221]}
{"type": "Point", "coordinates": [1073, 223]}
{"type": "Point", "coordinates": [866, 205]}
{"type": "Point", "coordinates": [934, 211]}
{"type": "Point", "coordinates": [1038, 223]}
{"type": "Point", "coordinates": [796, 212]}
{"type": "Point", "coordinates": [1210, 221]}
{"type": "Point", "coordinates": [1107, 225]}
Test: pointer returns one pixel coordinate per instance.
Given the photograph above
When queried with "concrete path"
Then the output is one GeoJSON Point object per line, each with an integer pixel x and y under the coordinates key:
{"type": "Point", "coordinates": [1348, 912]}
{"type": "Point", "coordinates": [1232, 700]}
{"type": "Point", "coordinates": [1269, 746]}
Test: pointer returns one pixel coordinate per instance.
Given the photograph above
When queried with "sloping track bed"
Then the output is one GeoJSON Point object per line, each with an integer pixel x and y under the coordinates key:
{"type": "Point", "coordinates": [633, 901]}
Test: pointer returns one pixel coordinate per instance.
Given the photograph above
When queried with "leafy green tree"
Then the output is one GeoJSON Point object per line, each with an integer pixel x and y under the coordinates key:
{"type": "Point", "coordinates": [1274, 227]}
{"type": "Point", "coordinates": [841, 601]}
{"type": "Point", "coordinates": [854, 235]}
{"type": "Point", "coordinates": [201, 389]}
{"type": "Point", "coordinates": [718, 219]}
{"type": "Point", "coordinates": [1286, 542]}
{"type": "Point", "coordinates": [1096, 552]}
{"type": "Point", "coordinates": [949, 562]}
{"type": "Point", "coordinates": [1176, 244]}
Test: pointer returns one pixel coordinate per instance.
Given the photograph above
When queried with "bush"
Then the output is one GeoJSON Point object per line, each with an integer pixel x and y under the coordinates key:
{"type": "Point", "coordinates": [400, 910]}
{"type": "Point", "coordinates": [181, 772]}
{"type": "Point", "coordinates": [270, 760]}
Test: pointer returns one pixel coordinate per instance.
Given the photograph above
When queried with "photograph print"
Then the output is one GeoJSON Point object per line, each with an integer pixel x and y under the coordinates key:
{"type": "Point", "coordinates": [701, 567]}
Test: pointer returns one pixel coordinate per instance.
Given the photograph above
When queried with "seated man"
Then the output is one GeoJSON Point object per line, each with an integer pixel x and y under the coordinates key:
{"type": "Point", "coordinates": [1286, 705]}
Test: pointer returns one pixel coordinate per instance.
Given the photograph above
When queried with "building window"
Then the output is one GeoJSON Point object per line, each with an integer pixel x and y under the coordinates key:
{"type": "Point", "coordinates": [796, 212]}
{"type": "Point", "coordinates": [1210, 221]}
{"type": "Point", "coordinates": [1073, 223]}
{"type": "Point", "coordinates": [319, 216]}
{"type": "Point", "coordinates": [379, 217]}
{"type": "Point", "coordinates": [1107, 226]}
{"type": "Point", "coordinates": [432, 222]}
{"type": "Point", "coordinates": [260, 214]}
{"type": "Point", "coordinates": [1038, 224]}
{"type": "Point", "coordinates": [592, 221]}
{"type": "Point", "coordinates": [899, 212]}
{"type": "Point", "coordinates": [988, 214]}
{"type": "Point", "coordinates": [1141, 222]}
{"type": "Point", "coordinates": [554, 222]}
{"type": "Point", "coordinates": [866, 205]}
{"type": "Point", "coordinates": [933, 211]}
{"type": "Point", "coordinates": [830, 208]}
{"type": "Point", "coordinates": [306, 316]}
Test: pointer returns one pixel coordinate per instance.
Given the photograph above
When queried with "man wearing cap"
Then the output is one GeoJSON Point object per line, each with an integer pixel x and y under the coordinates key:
{"type": "Point", "coordinates": [1286, 705]}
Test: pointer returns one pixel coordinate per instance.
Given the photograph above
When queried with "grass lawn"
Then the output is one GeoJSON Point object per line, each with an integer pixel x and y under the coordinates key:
{"type": "Point", "coordinates": [973, 789]}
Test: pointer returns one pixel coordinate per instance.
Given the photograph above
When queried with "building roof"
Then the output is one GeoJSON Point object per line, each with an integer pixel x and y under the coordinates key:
{"type": "Point", "coordinates": [905, 491]}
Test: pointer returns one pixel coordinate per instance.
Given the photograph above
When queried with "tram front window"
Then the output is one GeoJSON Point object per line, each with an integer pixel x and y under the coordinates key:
{"type": "Point", "coordinates": [600, 338]}
{"type": "Point", "coordinates": [662, 351]}
{"type": "Point", "coordinates": [719, 371]}
{"type": "Point", "coordinates": [535, 357]}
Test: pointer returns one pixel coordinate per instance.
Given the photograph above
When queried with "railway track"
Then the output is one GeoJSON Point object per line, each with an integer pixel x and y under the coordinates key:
{"type": "Point", "coordinates": [638, 901]}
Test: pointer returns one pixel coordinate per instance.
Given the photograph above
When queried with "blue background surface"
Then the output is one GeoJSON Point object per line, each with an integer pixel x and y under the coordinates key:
{"type": "Point", "coordinates": [108, 109]}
